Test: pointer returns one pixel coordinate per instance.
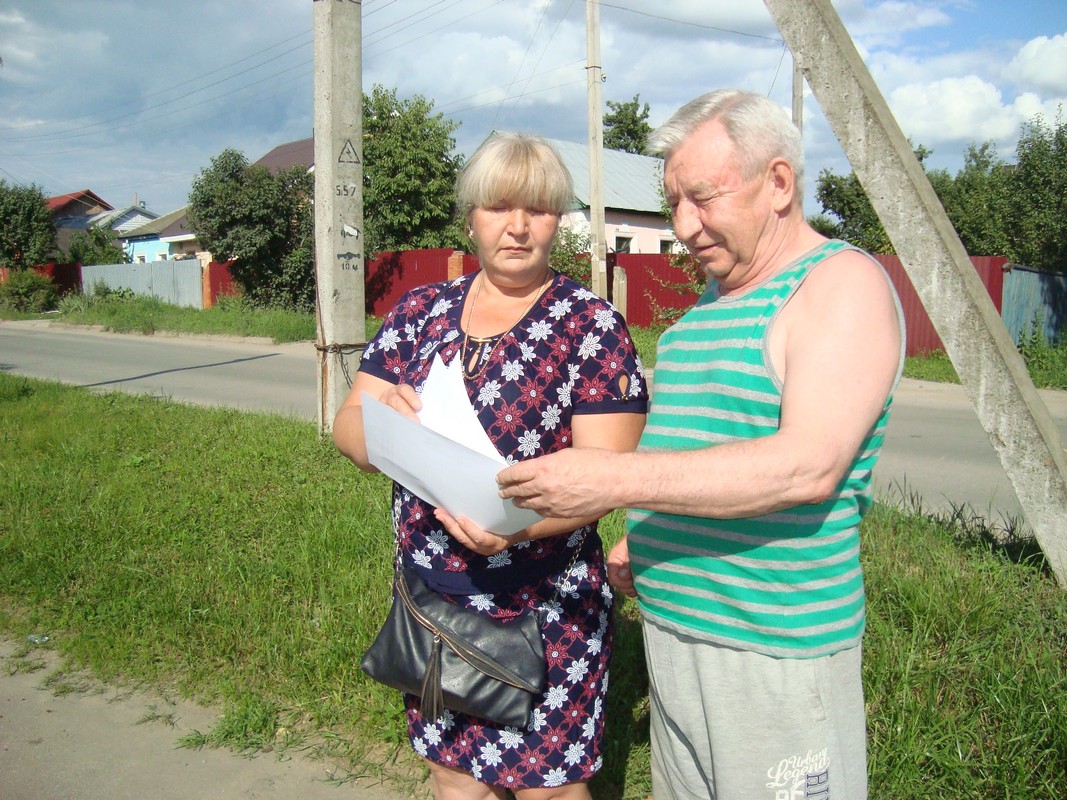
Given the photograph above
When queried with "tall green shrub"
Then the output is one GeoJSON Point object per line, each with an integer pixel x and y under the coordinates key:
{"type": "Point", "coordinates": [28, 292]}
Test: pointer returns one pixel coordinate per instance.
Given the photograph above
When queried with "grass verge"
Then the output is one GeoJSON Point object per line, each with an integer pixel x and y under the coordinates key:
{"type": "Point", "coordinates": [237, 559]}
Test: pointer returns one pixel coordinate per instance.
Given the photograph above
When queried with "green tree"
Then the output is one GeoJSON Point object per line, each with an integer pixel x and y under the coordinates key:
{"type": "Point", "coordinates": [976, 202]}
{"type": "Point", "coordinates": [1039, 195]}
{"type": "Point", "coordinates": [27, 230]}
{"type": "Point", "coordinates": [979, 204]}
{"type": "Point", "coordinates": [262, 222]}
{"type": "Point", "coordinates": [409, 174]}
{"type": "Point", "coordinates": [265, 223]}
{"type": "Point", "coordinates": [856, 220]}
{"type": "Point", "coordinates": [95, 246]}
{"type": "Point", "coordinates": [570, 255]}
{"type": "Point", "coordinates": [626, 126]}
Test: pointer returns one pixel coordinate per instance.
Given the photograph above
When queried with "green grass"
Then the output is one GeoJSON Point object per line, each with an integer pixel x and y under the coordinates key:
{"type": "Point", "coordinates": [236, 558]}
{"type": "Point", "coordinates": [123, 312]}
{"type": "Point", "coordinates": [933, 366]}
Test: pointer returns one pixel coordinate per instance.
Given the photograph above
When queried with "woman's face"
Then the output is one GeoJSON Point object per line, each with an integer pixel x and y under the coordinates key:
{"type": "Point", "coordinates": [513, 243]}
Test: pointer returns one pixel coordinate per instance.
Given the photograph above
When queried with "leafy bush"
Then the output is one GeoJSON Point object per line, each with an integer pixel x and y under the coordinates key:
{"type": "Point", "coordinates": [99, 295]}
{"type": "Point", "coordinates": [1045, 361]}
{"type": "Point", "coordinates": [570, 256]}
{"type": "Point", "coordinates": [28, 291]}
{"type": "Point", "coordinates": [692, 284]}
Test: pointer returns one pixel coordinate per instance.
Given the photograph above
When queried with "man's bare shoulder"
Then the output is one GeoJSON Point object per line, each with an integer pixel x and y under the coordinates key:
{"type": "Point", "coordinates": [846, 296]}
{"type": "Point", "coordinates": [849, 273]}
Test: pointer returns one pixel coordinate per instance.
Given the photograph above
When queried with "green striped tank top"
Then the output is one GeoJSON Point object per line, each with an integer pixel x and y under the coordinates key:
{"type": "Point", "coordinates": [785, 584]}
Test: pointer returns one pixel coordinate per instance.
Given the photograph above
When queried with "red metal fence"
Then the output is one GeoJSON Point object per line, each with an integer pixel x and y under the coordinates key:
{"type": "Point", "coordinates": [390, 275]}
{"type": "Point", "coordinates": [654, 286]}
{"type": "Point", "coordinates": [921, 336]}
{"type": "Point", "coordinates": [66, 277]}
{"type": "Point", "coordinates": [217, 281]}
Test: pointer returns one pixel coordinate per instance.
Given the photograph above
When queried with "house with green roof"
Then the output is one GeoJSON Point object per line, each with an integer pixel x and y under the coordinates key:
{"type": "Point", "coordinates": [634, 220]}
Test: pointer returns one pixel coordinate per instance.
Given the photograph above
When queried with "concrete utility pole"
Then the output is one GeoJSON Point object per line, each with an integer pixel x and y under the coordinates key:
{"type": "Point", "coordinates": [990, 368]}
{"type": "Point", "coordinates": [339, 263]}
{"type": "Point", "coordinates": [593, 79]}
{"type": "Point", "coordinates": [798, 97]}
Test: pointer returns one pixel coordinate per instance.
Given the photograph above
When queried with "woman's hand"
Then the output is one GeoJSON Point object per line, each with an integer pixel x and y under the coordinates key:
{"type": "Point", "coordinates": [474, 538]}
{"type": "Point", "coordinates": [403, 398]}
{"type": "Point", "coordinates": [619, 573]}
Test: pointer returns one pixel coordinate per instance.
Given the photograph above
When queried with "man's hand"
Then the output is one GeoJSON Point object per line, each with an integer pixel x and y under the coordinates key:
{"type": "Point", "coordinates": [569, 483]}
{"type": "Point", "coordinates": [619, 574]}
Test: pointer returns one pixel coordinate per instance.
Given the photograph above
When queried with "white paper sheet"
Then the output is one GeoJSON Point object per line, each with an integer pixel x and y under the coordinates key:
{"type": "Point", "coordinates": [447, 409]}
{"type": "Point", "coordinates": [439, 470]}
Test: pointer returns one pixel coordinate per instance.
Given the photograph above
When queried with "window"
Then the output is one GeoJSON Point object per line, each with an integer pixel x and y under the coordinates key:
{"type": "Point", "coordinates": [666, 246]}
{"type": "Point", "coordinates": [622, 244]}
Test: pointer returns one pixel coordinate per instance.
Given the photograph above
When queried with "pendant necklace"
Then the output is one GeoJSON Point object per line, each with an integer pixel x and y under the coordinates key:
{"type": "Point", "coordinates": [476, 360]}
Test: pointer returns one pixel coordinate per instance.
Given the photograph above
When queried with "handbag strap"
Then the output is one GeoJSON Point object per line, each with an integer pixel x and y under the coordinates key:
{"type": "Point", "coordinates": [570, 566]}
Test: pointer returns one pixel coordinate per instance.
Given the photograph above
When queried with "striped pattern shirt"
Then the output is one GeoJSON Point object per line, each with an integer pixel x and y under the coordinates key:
{"type": "Point", "coordinates": [785, 584]}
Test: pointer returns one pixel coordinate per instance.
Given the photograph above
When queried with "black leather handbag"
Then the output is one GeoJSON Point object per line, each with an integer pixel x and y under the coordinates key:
{"type": "Point", "coordinates": [451, 656]}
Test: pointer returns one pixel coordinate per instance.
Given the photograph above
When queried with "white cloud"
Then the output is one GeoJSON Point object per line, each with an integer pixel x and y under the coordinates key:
{"type": "Point", "coordinates": [889, 22]}
{"type": "Point", "coordinates": [1041, 64]}
{"type": "Point", "coordinates": [1028, 105]}
{"type": "Point", "coordinates": [958, 110]}
{"type": "Point", "coordinates": [87, 99]}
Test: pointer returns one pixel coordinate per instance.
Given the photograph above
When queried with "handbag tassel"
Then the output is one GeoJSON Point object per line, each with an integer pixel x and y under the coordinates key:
{"type": "Point", "coordinates": [433, 701]}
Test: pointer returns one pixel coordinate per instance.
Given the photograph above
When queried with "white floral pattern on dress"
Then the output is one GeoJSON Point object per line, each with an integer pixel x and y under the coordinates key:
{"type": "Point", "coordinates": [565, 358]}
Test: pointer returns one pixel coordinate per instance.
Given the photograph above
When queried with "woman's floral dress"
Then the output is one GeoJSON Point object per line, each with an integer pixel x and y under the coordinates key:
{"type": "Point", "coordinates": [571, 354]}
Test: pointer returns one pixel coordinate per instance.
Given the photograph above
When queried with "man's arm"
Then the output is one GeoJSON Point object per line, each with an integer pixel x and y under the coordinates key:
{"type": "Point", "coordinates": [836, 346]}
{"type": "Point", "coordinates": [611, 432]}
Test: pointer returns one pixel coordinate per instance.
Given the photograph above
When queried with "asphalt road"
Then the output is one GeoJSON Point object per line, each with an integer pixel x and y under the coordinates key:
{"type": "Point", "coordinates": [936, 452]}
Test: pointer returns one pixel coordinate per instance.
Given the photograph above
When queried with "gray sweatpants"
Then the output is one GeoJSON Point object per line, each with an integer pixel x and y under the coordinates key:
{"type": "Point", "coordinates": [734, 725]}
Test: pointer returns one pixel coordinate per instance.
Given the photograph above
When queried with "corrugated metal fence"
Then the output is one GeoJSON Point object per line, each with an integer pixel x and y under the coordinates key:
{"type": "Point", "coordinates": [178, 282]}
{"type": "Point", "coordinates": [1022, 295]}
{"type": "Point", "coordinates": [921, 336]}
{"type": "Point", "coordinates": [390, 275]}
{"type": "Point", "coordinates": [1034, 297]}
{"type": "Point", "coordinates": [654, 286]}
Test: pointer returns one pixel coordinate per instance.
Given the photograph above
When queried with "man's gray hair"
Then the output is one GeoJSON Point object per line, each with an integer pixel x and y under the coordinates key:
{"type": "Point", "coordinates": [759, 128]}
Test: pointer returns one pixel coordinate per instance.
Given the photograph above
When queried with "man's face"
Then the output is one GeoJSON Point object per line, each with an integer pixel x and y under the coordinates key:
{"type": "Point", "coordinates": [717, 214]}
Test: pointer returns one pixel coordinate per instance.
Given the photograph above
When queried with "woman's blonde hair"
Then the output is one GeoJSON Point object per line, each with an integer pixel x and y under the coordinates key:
{"type": "Point", "coordinates": [516, 169]}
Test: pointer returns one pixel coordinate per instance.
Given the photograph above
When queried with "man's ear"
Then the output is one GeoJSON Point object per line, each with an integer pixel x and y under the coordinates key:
{"type": "Point", "coordinates": [784, 183]}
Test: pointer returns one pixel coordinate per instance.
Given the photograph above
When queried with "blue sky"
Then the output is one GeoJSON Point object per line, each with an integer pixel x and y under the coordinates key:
{"type": "Point", "coordinates": [132, 98]}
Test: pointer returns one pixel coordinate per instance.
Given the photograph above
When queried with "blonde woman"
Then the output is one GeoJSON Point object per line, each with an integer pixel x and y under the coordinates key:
{"type": "Point", "coordinates": [547, 365]}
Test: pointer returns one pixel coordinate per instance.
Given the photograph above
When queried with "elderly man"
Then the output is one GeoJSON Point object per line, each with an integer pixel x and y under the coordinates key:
{"type": "Point", "coordinates": [770, 402]}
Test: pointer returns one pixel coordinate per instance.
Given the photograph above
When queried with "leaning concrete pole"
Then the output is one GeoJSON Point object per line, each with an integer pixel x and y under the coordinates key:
{"type": "Point", "coordinates": [992, 372]}
{"type": "Point", "coordinates": [339, 264]}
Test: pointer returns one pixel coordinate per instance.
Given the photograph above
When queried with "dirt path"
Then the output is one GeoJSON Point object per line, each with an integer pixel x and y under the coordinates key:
{"type": "Point", "coordinates": [102, 743]}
